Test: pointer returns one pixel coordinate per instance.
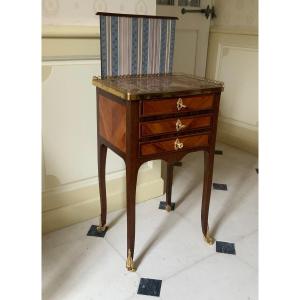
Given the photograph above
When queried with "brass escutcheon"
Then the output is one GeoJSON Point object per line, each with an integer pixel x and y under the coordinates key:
{"type": "Point", "coordinates": [179, 125]}
{"type": "Point", "coordinates": [178, 144]}
{"type": "Point", "coordinates": [180, 104]}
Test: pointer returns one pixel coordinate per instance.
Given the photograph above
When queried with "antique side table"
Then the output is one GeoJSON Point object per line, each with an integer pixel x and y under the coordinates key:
{"type": "Point", "coordinates": [149, 117]}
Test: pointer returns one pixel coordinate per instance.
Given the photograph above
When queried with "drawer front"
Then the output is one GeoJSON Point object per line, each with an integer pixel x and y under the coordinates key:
{"type": "Point", "coordinates": [174, 125]}
{"type": "Point", "coordinates": [174, 144]}
{"type": "Point", "coordinates": [177, 105]}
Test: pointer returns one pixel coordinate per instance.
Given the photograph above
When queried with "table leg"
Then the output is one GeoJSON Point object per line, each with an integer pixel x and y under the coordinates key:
{"type": "Point", "coordinates": [131, 179]}
{"type": "Point", "coordinates": [207, 183]}
{"type": "Point", "coordinates": [102, 150]}
{"type": "Point", "coordinates": [169, 186]}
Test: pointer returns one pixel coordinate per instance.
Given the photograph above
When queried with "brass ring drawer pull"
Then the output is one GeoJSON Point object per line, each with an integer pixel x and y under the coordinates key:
{"type": "Point", "coordinates": [180, 104]}
{"type": "Point", "coordinates": [178, 144]}
{"type": "Point", "coordinates": [179, 125]}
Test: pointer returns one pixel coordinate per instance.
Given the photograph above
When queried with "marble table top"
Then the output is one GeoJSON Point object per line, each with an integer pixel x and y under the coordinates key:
{"type": "Point", "coordinates": [141, 87]}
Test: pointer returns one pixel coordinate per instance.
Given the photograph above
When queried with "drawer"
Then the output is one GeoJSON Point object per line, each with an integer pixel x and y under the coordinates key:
{"type": "Point", "coordinates": [175, 105]}
{"type": "Point", "coordinates": [174, 144]}
{"type": "Point", "coordinates": [174, 125]}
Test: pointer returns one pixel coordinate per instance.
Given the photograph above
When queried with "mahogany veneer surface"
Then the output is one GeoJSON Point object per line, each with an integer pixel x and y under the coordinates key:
{"type": "Point", "coordinates": [159, 127]}
{"type": "Point", "coordinates": [189, 142]}
{"type": "Point", "coordinates": [112, 122]}
{"type": "Point", "coordinates": [169, 106]}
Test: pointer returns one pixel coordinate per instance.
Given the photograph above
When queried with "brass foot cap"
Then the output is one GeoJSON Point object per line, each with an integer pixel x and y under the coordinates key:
{"type": "Point", "coordinates": [168, 208]}
{"type": "Point", "coordinates": [129, 262]}
{"type": "Point", "coordinates": [130, 265]}
{"type": "Point", "coordinates": [101, 228]}
{"type": "Point", "coordinates": [209, 240]}
{"type": "Point", "coordinates": [131, 269]}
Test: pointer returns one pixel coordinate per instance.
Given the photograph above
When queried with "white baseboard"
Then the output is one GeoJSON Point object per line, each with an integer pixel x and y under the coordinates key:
{"type": "Point", "coordinates": [238, 136]}
{"type": "Point", "coordinates": [69, 205]}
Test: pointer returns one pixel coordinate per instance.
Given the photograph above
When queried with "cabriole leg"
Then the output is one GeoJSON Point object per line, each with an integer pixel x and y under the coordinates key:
{"type": "Point", "coordinates": [208, 174]}
{"type": "Point", "coordinates": [169, 186]}
{"type": "Point", "coordinates": [102, 150]}
{"type": "Point", "coordinates": [131, 179]}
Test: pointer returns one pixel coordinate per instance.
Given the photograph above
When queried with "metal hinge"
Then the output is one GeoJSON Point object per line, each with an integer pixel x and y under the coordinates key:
{"type": "Point", "coordinates": [206, 11]}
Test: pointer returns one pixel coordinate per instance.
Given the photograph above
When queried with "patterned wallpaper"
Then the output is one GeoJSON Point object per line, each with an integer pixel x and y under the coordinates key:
{"type": "Point", "coordinates": [136, 45]}
{"type": "Point", "coordinates": [236, 13]}
{"type": "Point", "coordinates": [82, 12]}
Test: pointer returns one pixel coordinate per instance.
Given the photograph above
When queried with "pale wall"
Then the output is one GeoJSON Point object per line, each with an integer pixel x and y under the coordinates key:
{"type": "Point", "coordinates": [233, 59]}
{"type": "Point", "coordinates": [82, 12]}
{"type": "Point", "coordinates": [70, 59]}
{"type": "Point", "coordinates": [237, 14]}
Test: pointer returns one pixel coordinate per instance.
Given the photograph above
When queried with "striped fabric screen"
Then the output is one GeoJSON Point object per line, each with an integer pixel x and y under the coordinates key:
{"type": "Point", "coordinates": [133, 45]}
